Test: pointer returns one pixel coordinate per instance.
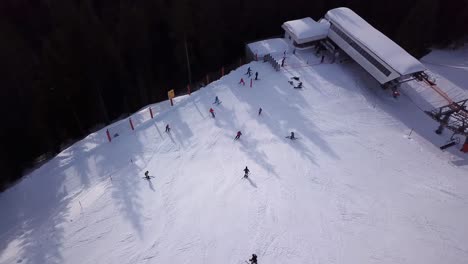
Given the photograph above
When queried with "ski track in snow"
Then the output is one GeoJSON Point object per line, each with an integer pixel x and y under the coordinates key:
{"type": "Point", "coordinates": [354, 188]}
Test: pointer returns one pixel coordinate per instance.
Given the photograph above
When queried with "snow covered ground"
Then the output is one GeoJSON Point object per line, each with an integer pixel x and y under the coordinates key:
{"type": "Point", "coordinates": [354, 188]}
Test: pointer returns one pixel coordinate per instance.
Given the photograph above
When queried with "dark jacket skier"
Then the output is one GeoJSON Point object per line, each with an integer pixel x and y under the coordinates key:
{"type": "Point", "coordinates": [168, 129]}
{"type": "Point", "coordinates": [212, 112]}
{"type": "Point", "coordinates": [249, 71]}
{"type": "Point", "coordinates": [260, 111]}
{"type": "Point", "coordinates": [216, 100]}
{"type": "Point", "coordinates": [246, 175]}
{"type": "Point", "coordinates": [292, 135]}
{"type": "Point", "coordinates": [256, 75]}
{"type": "Point", "coordinates": [299, 85]}
{"type": "Point", "coordinates": [238, 135]}
{"type": "Point", "coordinates": [253, 260]}
{"type": "Point", "coordinates": [147, 175]}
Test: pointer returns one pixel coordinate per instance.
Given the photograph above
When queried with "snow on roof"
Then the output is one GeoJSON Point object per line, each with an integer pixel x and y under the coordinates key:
{"type": "Point", "coordinates": [306, 30]}
{"type": "Point", "coordinates": [268, 46]}
{"type": "Point", "coordinates": [387, 50]}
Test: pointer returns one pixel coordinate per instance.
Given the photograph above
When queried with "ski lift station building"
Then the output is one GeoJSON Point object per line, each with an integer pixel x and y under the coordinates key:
{"type": "Point", "coordinates": [343, 30]}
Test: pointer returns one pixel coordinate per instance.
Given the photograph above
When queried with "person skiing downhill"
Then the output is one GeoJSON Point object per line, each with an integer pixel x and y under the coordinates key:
{"type": "Point", "coordinates": [242, 81]}
{"type": "Point", "coordinates": [168, 129]}
{"type": "Point", "coordinates": [249, 72]}
{"type": "Point", "coordinates": [238, 135]}
{"type": "Point", "coordinates": [216, 100]}
{"type": "Point", "coordinates": [212, 112]}
{"type": "Point", "coordinates": [253, 260]}
{"type": "Point", "coordinates": [246, 175]}
{"type": "Point", "coordinates": [299, 86]}
{"type": "Point", "coordinates": [256, 75]}
{"type": "Point", "coordinates": [147, 175]}
{"type": "Point", "coordinates": [292, 136]}
{"type": "Point", "coordinates": [260, 111]}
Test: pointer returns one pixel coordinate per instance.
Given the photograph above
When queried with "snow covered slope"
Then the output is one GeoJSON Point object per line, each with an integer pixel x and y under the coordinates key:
{"type": "Point", "coordinates": [354, 188]}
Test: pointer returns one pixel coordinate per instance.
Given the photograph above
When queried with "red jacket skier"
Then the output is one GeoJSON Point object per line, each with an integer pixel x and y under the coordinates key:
{"type": "Point", "coordinates": [212, 112]}
{"type": "Point", "coordinates": [242, 81]}
{"type": "Point", "coordinates": [464, 149]}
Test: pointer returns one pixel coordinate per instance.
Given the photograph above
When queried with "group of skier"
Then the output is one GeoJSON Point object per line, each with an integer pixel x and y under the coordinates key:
{"type": "Point", "coordinates": [249, 73]}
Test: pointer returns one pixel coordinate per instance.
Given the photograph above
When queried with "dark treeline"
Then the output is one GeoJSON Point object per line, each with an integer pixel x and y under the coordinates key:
{"type": "Point", "coordinates": [68, 66]}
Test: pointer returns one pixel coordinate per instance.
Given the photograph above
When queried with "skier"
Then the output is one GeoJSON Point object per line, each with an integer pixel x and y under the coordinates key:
{"type": "Point", "coordinates": [168, 129]}
{"type": "Point", "coordinates": [299, 86]}
{"type": "Point", "coordinates": [242, 82]}
{"type": "Point", "coordinates": [260, 111]}
{"type": "Point", "coordinates": [292, 136]}
{"type": "Point", "coordinates": [238, 135]}
{"type": "Point", "coordinates": [212, 112]}
{"type": "Point", "coordinates": [282, 62]}
{"type": "Point", "coordinates": [323, 57]}
{"type": "Point", "coordinates": [249, 72]}
{"type": "Point", "coordinates": [246, 175]}
{"type": "Point", "coordinates": [216, 100]}
{"type": "Point", "coordinates": [256, 75]}
{"type": "Point", "coordinates": [147, 175]}
{"type": "Point", "coordinates": [253, 260]}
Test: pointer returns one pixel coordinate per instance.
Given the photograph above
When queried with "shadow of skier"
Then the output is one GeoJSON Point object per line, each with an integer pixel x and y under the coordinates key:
{"type": "Point", "coordinates": [252, 183]}
{"type": "Point", "coordinates": [150, 183]}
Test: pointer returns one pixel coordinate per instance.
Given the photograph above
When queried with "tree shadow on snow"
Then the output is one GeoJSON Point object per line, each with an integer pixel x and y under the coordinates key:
{"type": "Point", "coordinates": [34, 213]}
{"type": "Point", "coordinates": [286, 116]}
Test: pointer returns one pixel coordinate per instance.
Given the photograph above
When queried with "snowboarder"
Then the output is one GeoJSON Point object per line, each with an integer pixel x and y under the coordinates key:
{"type": "Point", "coordinates": [256, 75]}
{"type": "Point", "coordinates": [242, 82]}
{"type": "Point", "coordinates": [238, 135]}
{"type": "Point", "coordinates": [246, 175]}
{"type": "Point", "coordinates": [260, 111]}
{"type": "Point", "coordinates": [292, 136]}
{"type": "Point", "coordinates": [282, 62]}
{"type": "Point", "coordinates": [253, 260]}
{"type": "Point", "coordinates": [299, 86]}
{"type": "Point", "coordinates": [216, 100]}
{"type": "Point", "coordinates": [249, 72]}
{"type": "Point", "coordinates": [168, 129]}
{"type": "Point", "coordinates": [147, 175]}
{"type": "Point", "coordinates": [212, 112]}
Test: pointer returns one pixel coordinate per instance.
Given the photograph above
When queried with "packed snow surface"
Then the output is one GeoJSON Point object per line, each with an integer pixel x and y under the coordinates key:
{"type": "Point", "coordinates": [387, 50]}
{"type": "Point", "coordinates": [306, 29]}
{"type": "Point", "coordinates": [365, 182]}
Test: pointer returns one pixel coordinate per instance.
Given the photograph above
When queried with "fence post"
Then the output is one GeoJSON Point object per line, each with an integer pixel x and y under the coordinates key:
{"type": "Point", "coordinates": [108, 135]}
{"type": "Point", "coordinates": [151, 112]}
{"type": "Point", "coordinates": [172, 103]}
{"type": "Point", "coordinates": [251, 80]}
{"type": "Point", "coordinates": [131, 123]}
